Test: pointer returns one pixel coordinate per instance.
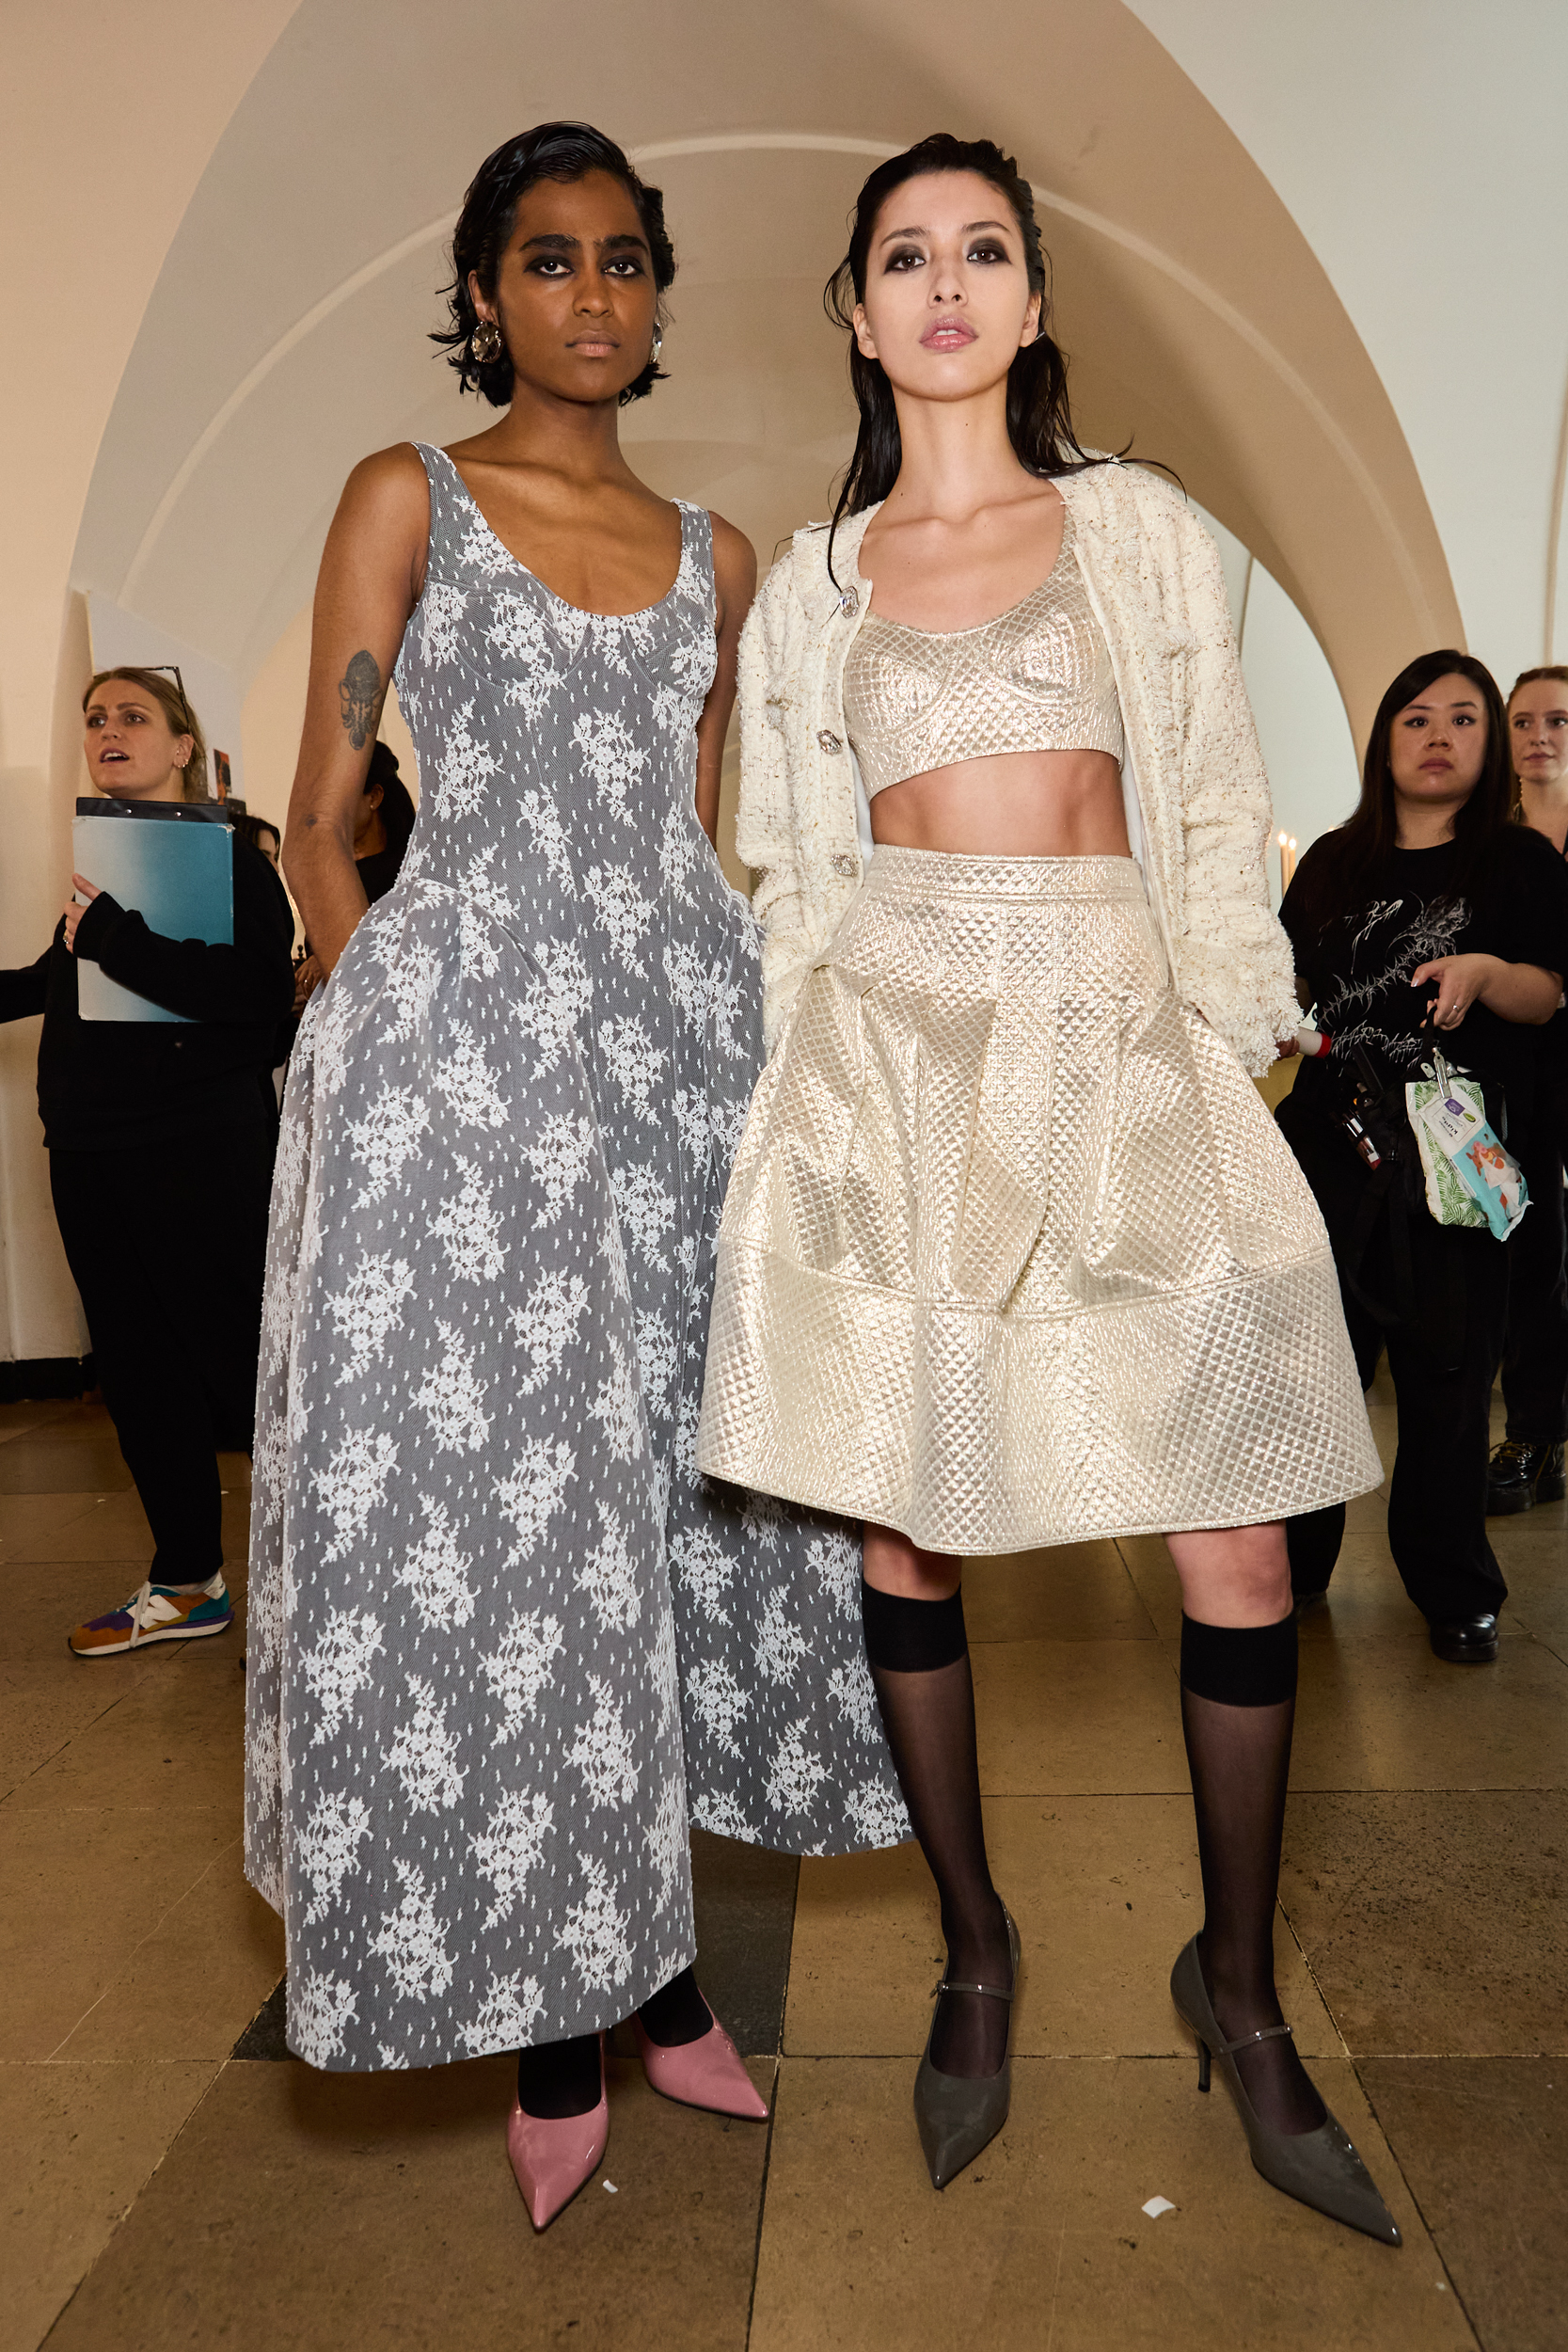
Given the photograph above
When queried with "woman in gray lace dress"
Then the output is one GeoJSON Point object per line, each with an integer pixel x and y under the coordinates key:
{"type": "Point", "coordinates": [499, 1629]}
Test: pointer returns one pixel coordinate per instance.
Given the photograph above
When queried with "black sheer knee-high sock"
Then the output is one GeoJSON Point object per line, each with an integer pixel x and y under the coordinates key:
{"type": "Point", "coordinates": [1238, 1709]}
{"type": "Point", "coordinates": [559, 2077]}
{"type": "Point", "coordinates": [676, 2013]}
{"type": "Point", "coordinates": [919, 1658]}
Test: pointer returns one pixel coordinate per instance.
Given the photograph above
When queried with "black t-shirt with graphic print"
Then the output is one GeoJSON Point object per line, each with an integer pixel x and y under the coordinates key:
{"type": "Point", "coordinates": [1359, 966]}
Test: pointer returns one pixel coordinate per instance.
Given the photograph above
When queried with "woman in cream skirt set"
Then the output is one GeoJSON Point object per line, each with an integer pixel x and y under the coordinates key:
{"type": "Point", "coordinates": [1013, 1254]}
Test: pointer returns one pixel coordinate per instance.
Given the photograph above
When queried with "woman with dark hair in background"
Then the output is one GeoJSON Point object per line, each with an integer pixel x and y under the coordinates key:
{"type": "Point", "coordinates": [159, 1157]}
{"type": "Point", "coordinates": [261, 833]}
{"type": "Point", "coordinates": [1013, 1254]}
{"type": "Point", "coordinates": [1528, 1467]}
{"type": "Point", "coordinates": [1426, 920]}
{"type": "Point", "coordinates": [486, 1579]}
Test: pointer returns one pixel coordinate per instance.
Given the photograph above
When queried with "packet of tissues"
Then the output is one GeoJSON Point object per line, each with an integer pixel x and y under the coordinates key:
{"type": "Point", "coordinates": [1471, 1177]}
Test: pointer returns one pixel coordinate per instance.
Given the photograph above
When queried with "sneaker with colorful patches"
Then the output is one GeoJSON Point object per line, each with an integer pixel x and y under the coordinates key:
{"type": "Point", "coordinates": [157, 1614]}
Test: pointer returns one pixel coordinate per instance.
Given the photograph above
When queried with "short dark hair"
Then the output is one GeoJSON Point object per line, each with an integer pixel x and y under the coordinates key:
{"type": "Point", "coordinates": [1355, 855]}
{"type": "Point", "coordinates": [551, 150]}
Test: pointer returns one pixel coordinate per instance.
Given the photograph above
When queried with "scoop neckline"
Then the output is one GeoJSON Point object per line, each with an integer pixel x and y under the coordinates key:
{"type": "Point", "coordinates": [951, 636]}
{"type": "Point", "coordinates": [582, 612]}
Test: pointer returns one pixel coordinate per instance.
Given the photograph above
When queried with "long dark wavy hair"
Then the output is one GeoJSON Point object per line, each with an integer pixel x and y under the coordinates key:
{"type": "Point", "coordinates": [1039, 420]}
{"type": "Point", "coordinates": [551, 150]}
{"type": "Point", "coordinates": [1347, 864]}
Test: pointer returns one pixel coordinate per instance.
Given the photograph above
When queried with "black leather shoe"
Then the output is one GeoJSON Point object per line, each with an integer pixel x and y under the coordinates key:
{"type": "Point", "coordinates": [1465, 1640]}
{"type": "Point", "coordinates": [1523, 1474]}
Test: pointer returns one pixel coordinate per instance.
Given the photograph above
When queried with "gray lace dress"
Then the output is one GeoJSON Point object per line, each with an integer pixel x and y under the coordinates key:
{"type": "Point", "coordinates": [501, 1633]}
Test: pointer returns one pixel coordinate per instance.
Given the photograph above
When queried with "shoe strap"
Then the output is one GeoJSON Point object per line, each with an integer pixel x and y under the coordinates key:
{"type": "Point", "coordinates": [1245, 2041]}
{"type": "Point", "coordinates": [950, 1984]}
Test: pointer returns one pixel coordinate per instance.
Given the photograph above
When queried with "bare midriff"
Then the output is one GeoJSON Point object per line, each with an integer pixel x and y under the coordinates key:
{"type": "Point", "coordinates": [1009, 805]}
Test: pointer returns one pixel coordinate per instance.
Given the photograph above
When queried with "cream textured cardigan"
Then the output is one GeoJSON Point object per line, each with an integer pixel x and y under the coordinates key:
{"type": "Point", "coordinates": [1197, 799]}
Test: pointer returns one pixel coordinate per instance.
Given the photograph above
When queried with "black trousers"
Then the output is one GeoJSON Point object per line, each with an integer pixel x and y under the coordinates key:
{"type": "Point", "coordinates": [1442, 1359]}
{"type": "Point", "coordinates": [1535, 1358]}
{"type": "Point", "coordinates": [167, 1246]}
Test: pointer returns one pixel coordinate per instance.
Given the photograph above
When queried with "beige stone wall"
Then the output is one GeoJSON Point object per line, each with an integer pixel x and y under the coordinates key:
{"type": "Point", "coordinates": [184, 395]}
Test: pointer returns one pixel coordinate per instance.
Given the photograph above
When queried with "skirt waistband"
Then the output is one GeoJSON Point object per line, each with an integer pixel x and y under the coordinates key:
{"type": "Point", "coordinates": [934, 874]}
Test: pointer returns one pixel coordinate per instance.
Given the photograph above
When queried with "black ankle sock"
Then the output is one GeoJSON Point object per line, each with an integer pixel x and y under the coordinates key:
{"type": "Point", "coordinates": [676, 2013]}
{"type": "Point", "coordinates": [559, 2077]}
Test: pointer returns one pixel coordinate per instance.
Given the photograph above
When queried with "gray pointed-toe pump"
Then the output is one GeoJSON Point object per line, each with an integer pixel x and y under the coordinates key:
{"type": "Point", "coordinates": [958, 2115]}
{"type": "Point", "coordinates": [1320, 2168]}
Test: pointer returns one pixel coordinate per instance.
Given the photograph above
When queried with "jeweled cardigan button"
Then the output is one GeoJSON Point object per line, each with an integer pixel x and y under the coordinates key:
{"type": "Point", "coordinates": [827, 741]}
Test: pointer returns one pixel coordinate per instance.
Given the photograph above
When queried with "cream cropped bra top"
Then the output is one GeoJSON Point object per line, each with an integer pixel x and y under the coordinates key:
{"type": "Point", "coordinates": [1036, 679]}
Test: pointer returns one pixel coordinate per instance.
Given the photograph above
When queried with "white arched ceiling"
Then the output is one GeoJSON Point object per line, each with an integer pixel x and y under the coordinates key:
{"type": "Point", "coordinates": [1419, 145]}
{"type": "Point", "coordinates": [286, 336]}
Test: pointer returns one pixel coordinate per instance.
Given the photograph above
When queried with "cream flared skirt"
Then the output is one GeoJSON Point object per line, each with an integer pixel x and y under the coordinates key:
{"type": "Point", "coordinates": [1013, 1252]}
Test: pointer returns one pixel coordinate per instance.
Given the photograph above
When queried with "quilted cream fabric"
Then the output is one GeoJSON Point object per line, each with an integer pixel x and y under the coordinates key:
{"type": "Point", "coordinates": [1038, 678]}
{"type": "Point", "coordinates": [1200, 797]}
{"type": "Point", "coordinates": [1013, 1254]}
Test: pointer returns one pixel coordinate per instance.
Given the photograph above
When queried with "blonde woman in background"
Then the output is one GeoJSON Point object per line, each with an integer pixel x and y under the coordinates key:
{"type": "Point", "coordinates": [1528, 1467]}
{"type": "Point", "coordinates": [160, 1162]}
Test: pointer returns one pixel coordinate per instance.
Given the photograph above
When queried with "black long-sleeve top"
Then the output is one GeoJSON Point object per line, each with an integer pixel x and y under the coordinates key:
{"type": "Point", "coordinates": [109, 1085]}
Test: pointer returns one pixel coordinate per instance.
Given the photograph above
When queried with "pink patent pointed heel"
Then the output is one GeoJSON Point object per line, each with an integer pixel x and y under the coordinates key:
{"type": "Point", "coordinates": [707, 2072]}
{"type": "Point", "coordinates": [552, 2156]}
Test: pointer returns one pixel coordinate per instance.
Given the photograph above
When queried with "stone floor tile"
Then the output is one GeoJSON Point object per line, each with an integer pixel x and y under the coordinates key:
{"type": "Point", "coordinates": [1544, 1618]}
{"type": "Point", "coordinates": [219, 1949]}
{"type": "Point", "coordinates": [1152, 1572]}
{"type": "Point", "coordinates": [29, 1413]}
{"type": "Point", "coordinates": [47, 1703]}
{"type": "Point", "coordinates": [1077, 1718]}
{"type": "Point", "coordinates": [107, 1527]}
{"type": "Point", "coordinates": [28, 1520]}
{"type": "Point", "coordinates": [60, 1459]}
{"type": "Point", "coordinates": [80, 1893]}
{"type": "Point", "coordinates": [329, 2211]}
{"type": "Point", "coordinates": [177, 1737]}
{"type": "Point", "coordinates": [1387, 1714]}
{"type": "Point", "coordinates": [1433, 1921]}
{"type": "Point", "coordinates": [744, 1900]}
{"type": "Point", "coordinates": [1483, 2143]}
{"type": "Point", "coordinates": [1064, 1593]}
{"type": "Point", "coordinates": [1043, 2243]}
{"type": "Point", "coordinates": [1366, 1599]}
{"type": "Point", "coordinates": [81, 2142]}
{"type": "Point", "coordinates": [1105, 1891]}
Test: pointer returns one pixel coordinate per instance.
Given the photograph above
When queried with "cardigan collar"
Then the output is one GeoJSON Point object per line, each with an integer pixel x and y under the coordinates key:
{"type": "Point", "coordinates": [814, 584]}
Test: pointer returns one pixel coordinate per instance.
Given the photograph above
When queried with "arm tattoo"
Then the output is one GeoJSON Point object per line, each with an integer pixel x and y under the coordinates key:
{"type": "Point", "coordinates": [361, 690]}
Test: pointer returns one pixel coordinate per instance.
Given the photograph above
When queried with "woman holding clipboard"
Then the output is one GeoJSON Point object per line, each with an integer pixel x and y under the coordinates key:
{"type": "Point", "coordinates": [160, 1156]}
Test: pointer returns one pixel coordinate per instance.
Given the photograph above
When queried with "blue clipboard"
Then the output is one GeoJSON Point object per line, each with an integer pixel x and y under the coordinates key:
{"type": "Point", "coordinates": [172, 862]}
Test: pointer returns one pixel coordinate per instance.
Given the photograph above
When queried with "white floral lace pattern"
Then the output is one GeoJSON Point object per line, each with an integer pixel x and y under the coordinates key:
{"type": "Point", "coordinates": [499, 1629]}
